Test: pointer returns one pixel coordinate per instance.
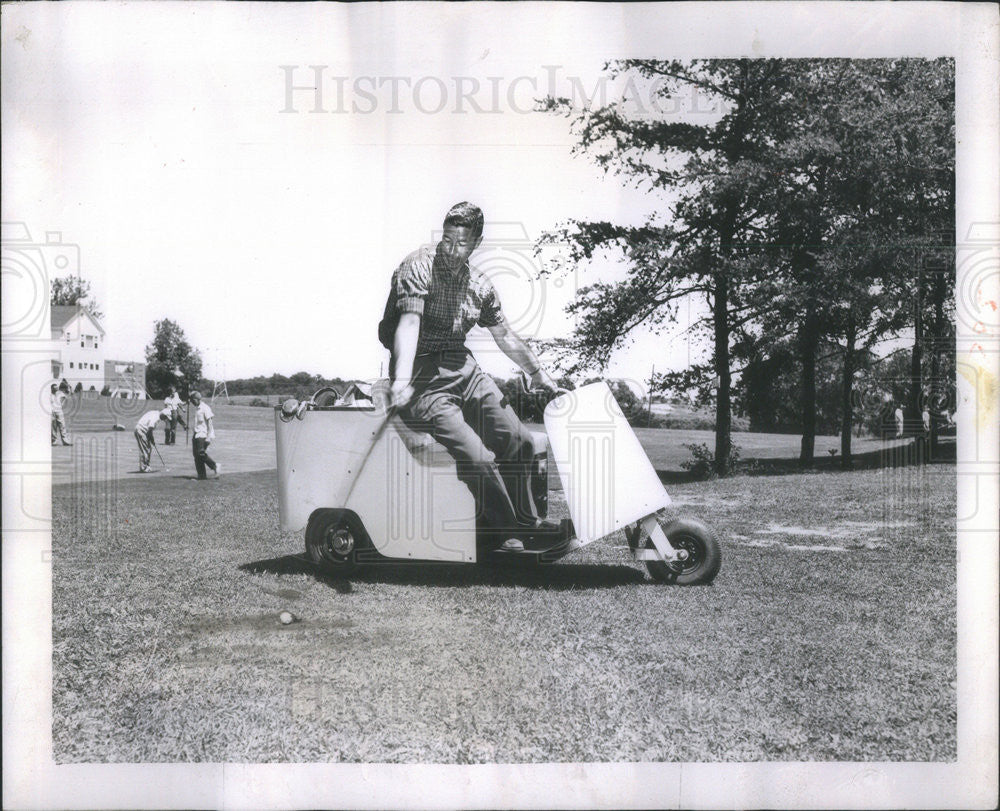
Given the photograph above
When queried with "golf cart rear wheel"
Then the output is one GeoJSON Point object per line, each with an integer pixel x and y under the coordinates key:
{"type": "Point", "coordinates": [331, 541]}
{"type": "Point", "coordinates": [704, 557]}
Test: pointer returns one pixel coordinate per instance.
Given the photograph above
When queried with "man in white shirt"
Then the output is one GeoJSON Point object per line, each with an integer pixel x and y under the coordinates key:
{"type": "Point", "coordinates": [204, 433]}
{"type": "Point", "coordinates": [58, 419]}
{"type": "Point", "coordinates": [144, 435]}
{"type": "Point", "coordinates": [174, 403]}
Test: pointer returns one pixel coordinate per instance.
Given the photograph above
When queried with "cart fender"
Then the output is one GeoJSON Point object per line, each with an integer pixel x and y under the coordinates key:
{"type": "Point", "coordinates": [608, 480]}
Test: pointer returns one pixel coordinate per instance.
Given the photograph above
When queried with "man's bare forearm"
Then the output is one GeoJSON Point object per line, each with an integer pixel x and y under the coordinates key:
{"type": "Point", "coordinates": [518, 351]}
{"type": "Point", "coordinates": [405, 345]}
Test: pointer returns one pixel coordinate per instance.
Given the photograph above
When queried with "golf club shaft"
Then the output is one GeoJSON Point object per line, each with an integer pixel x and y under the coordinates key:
{"type": "Point", "coordinates": [162, 463]}
{"type": "Point", "coordinates": [390, 412]}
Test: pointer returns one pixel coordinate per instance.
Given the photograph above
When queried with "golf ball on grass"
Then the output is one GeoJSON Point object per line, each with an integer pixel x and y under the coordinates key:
{"type": "Point", "coordinates": [286, 617]}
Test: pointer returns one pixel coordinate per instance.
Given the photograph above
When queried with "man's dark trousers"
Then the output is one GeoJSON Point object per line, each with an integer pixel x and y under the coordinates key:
{"type": "Point", "coordinates": [201, 457]}
{"type": "Point", "coordinates": [462, 408]}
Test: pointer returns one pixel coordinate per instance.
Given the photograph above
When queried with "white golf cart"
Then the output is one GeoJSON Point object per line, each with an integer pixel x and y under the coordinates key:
{"type": "Point", "coordinates": [365, 488]}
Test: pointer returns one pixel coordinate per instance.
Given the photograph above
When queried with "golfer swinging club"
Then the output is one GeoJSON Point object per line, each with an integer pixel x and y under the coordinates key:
{"type": "Point", "coordinates": [144, 437]}
{"type": "Point", "coordinates": [435, 298]}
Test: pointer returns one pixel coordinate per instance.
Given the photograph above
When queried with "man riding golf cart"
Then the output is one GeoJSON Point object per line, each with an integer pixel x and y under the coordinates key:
{"type": "Point", "coordinates": [439, 469]}
{"type": "Point", "coordinates": [438, 388]}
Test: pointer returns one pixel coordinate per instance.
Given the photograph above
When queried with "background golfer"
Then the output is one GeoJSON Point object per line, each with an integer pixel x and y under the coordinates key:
{"type": "Point", "coordinates": [58, 419]}
{"type": "Point", "coordinates": [174, 403]}
{"type": "Point", "coordinates": [144, 435]}
{"type": "Point", "coordinates": [204, 433]}
{"type": "Point", "coordinates": [435, 299]}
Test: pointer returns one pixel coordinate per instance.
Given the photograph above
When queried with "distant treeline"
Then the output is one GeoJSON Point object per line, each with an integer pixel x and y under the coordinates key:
{"type": "Point", "coordinates": [765, 403]}
{"type": "Point", "coordinates": [300, 385]}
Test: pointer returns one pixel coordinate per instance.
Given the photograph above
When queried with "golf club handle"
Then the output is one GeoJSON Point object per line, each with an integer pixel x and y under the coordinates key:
{"type": "Point", "coordinates": [525, 382]}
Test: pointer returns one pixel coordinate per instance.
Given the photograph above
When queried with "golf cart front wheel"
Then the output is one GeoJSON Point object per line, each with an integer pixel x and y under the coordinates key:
{"type": "Point", "coordinates": [703, 559]}
{"type": "Point", "coordinates": [332, 541]}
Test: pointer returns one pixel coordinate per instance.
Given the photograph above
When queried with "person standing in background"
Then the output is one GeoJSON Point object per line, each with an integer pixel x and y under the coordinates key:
{"type": "Point", "coordinates": [58, 418]}
{"type": "Point", "coordinates": [204, 433]}
{"type": "Point", "coordinates": [174, 403]}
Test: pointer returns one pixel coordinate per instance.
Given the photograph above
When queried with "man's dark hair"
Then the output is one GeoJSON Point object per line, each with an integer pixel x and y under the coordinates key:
{"type": "Point", "coordinates": [466, 215]}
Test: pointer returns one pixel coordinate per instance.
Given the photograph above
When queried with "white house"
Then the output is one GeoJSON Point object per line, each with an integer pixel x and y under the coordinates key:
{"type": "Point", "coordinates": [78, 340]}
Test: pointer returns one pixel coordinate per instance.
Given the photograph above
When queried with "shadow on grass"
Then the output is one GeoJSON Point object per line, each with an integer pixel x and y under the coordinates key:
{"type": "Point", "coordinates": [561, 577]}
{"type": "Point", "coordinates": [913, 454]}
{"type": "Point", "coordinates": [296, 564]}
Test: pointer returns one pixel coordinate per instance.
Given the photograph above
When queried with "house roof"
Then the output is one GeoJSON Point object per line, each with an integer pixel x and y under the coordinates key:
{"type": "Point", "coordinates": [62, 314]}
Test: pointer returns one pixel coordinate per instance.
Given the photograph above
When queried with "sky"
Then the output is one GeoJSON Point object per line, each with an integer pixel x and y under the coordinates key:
{"type": "Point", "coordinates": [201, 184]}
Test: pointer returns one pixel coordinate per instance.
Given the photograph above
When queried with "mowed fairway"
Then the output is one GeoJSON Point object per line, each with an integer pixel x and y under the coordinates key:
{"type": "Point", "coordinates": [246, 442]}
{"type": "Point", "coordinates": [828, 635]}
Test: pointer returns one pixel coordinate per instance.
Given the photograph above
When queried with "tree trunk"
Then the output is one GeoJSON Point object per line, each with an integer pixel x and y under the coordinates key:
{"type": "Point", "coordinates": [808, 344]}
{"type": "Point", "coordinates": [735, 150]}
{"type": "Point", "coordinates": [938, 386]}
{"type": "Point", "coordinates": [916, 362]}
{"type": "Point", "coordinates": [723, 406]}
{"type": "Point", "coordinates": [846, 403]}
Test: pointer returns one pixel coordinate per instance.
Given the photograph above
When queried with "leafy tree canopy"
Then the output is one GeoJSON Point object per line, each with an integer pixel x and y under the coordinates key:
{"type": "Point", "coordinates": [170, 360]}
{"type": "Point", "coordinates": [68, 290]}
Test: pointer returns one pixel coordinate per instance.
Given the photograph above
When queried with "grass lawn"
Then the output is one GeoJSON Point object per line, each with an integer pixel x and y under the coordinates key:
{"type": "Point", "coordinates": [828, 635]}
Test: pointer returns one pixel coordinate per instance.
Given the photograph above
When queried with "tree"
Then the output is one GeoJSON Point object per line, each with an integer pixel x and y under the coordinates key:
{"type": "Point", "coordinates": [709, 168]}
{"type": "Point", "coordinates": [770, 381]}
{"type": "Point", "coordinates": [69, 290]}
{"type": "Point", "coordinates": [927, 142]}
{"type": "Point", "coordinates": [168, 352]}
{"type": "Point", "coordinates": [863, 178]}
{"type": "Point", "coordinates": [632, 407]}
{"type": "Point", "coordinates": [796, 212]}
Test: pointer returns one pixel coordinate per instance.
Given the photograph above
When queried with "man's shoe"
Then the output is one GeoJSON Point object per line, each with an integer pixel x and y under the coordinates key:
{"type": "Point", "coordinates": [511, 545]}
{"type": "Point", "coordinates": [218, 470]}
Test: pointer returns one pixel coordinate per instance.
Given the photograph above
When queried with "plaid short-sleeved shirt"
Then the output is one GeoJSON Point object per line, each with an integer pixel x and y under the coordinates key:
{"type": "Point", "coordinates": [448, 304]}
